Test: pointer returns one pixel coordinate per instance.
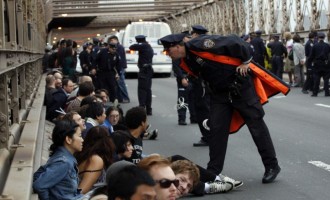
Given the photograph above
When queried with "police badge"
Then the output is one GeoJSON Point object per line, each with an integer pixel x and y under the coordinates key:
{"type": "Point", "coordinates": [208, 44]}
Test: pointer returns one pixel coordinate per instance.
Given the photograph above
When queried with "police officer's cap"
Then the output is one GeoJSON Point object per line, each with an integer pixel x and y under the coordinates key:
{"type": "Point", "coordinates": [140, 37]}
{"type": "Point", "coordinates": [321, 35]}
{"type": "Point", "coordinates": [199, 29]}
{"type": "Point", "coordinates": [172, 40]}
{"type": "Point", "coordinates": [113, 45]}
{"type": "Point", "coordinates": [258, 32]}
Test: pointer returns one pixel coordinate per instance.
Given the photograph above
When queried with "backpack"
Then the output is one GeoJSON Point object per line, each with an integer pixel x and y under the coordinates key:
{"type": "Point", "coordinates": [290, 55]}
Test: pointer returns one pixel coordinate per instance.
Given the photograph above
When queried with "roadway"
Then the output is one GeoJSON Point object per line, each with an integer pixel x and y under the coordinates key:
{"type": "Point", "coordinates": [299, 126]}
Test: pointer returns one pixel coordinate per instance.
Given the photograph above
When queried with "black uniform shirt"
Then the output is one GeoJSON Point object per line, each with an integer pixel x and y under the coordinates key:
{"type": "Point", "coordinates": [277, 48]}
{"type": "Point", "coordinates": [145, 53]}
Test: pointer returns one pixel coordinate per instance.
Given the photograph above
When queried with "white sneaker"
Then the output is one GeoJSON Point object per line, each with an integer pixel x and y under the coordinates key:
{"type": "Point", "coordinates": [205, 124]}
{"type": "Point", "coordinates": [235, 183]}
{"type": "Point", "coordinates": [220, 187]}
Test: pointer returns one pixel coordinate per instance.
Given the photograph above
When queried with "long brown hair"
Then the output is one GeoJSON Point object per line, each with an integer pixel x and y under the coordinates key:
{"type": "Point", "coordinates": [97, 142]}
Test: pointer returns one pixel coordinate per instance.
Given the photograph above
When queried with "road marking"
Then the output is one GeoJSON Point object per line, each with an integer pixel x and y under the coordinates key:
{"type": "Point", "coordinates": [322, 105]}
{"type": "Point", "coordinates": [279, 97]}
{"type": "Point", "coordinates": [320, 164]}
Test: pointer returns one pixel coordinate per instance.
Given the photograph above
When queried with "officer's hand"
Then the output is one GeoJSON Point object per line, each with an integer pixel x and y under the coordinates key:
{"type": "Point", "coordinates": [243, 69]}
{"type": "Point", "coordinates": [93, 72]}
{"type": "Point", "coordinates": [184, 82]}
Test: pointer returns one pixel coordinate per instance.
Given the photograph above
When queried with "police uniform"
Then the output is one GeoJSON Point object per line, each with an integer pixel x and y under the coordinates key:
{"type": "Point", "coordinates": [230, 93]}
{"type": "Point", "coordinates": [259, 49]}
{"type": "Point", "coordinates": [320, 58]}
{"type": "Point", "coordinates": [199, 97]}
{"type": "Point", "coordinates": [107, 64]}
{"type": "Point", "coordinates": [278, 51]}
{"type": "Point", "coordinates": [145, 74]}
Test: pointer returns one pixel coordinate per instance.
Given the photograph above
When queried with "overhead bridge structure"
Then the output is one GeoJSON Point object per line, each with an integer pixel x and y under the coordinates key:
{"type": "Point", "coordinates": [27, 25]}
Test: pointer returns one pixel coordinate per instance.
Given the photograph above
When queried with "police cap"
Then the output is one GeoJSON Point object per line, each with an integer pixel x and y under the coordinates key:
{"type": "Point", "coordinates": [112, 45]}
{"type": "Point", "coordinates": [321, 35]}
{"type": "Point", "coordinates": [199, 29]}
{"type": "Point", "coordinates": [258, 32]}
{"type": "Point", "coordinates": [140, 38]}
{"type": "Point", "coordinates": [172, 40]}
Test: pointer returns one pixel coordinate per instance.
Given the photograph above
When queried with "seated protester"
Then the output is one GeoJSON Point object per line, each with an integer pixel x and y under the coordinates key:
{"type": "Point", "coordinates": [58, 178]}
{"type": "Point", "coordinates": [160, 170]}
{"type": "Point", "coordinates": [85, 89]}
{"type": "Point", "coordinates": [137, 123]}
{"type": "Point", "coordinates": [95, 157]}
{"type": "Point", "coordinates": [95, 115]}
{"type": "Point", "coordinates": [74, 116]}
{"type": "Point", "coordinates": [104, 95]}
{"type": "Point", "coordinates": [123, 143]}
{"type": "Point", "coordinates": [84, 105]}
{"type": "Point", "coordinates": [197, 180]}
{"type": "Point", "coordinates": [58, 102]}
{"type": "Point", "coordinates": [131, 182]}
{"type": "Point", "coordinates": [112, 119]}
{"type": "Point", "coordinates": [50, 89]}
{"type": "Point", "coordinates": [82, 79]}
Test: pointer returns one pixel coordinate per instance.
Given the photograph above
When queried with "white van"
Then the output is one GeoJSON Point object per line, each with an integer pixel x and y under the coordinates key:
{"type": "Point", "coordinates": [153, 31]}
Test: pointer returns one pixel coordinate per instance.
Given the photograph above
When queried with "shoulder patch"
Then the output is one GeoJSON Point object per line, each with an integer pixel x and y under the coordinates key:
{"type": "Point", "coordinates": [208, 44]}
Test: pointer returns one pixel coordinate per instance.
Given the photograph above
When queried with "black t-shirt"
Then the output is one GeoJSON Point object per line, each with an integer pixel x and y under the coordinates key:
{"type": "Point", "coordinates": [137, 152]}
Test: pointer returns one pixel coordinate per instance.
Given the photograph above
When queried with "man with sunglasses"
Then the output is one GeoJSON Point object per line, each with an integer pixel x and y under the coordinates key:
{"type": "Point", "coordinates": [160, 170]}
{"type": "Point", "coordinates": [107, 60]}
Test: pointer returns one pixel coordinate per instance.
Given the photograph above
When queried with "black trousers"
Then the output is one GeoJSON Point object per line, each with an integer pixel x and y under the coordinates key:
{"type": "Point", "coordinates": [200, 102]}
{"type": "Point", "coordinates": [277, 66]}
{"type": "Point", "coordinates": [144, 87]}
{"type": "Point", "coordinates": [252, 112]}
{"type": "Point", "coordinates": [325, 74]}
{"type": "Point", "coordinates": [107, 80]}
{"type": "Point", "coordinates": [308, 85]}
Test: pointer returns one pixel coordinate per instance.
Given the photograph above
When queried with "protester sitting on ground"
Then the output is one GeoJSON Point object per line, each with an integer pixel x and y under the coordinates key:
{"type": "Point", "coordinates": [74, 116]}
{"type": "Point", "coordinates": [84, 105]}
{"type": "Point", "coordinates": [95, 157]}
{"type": "Point", "coordinates": [85, 89]}
{"type": "Point", "coordinates": [58, 178]}
{"type": "Point", "coordinates": [113, 120]}
{"type": "Point", "coordinates": [160, 170]}
{"type": "Point", "coordinates": [58, 79]}
{"type": "Point", "coordinates": [123, 143]}
{"type": "Point", "coordinates": [82, 79]}
{"type": "Point", "coordinates": [95, 115]}
{"type": "Point", "coordinates": [104, 95]}
{"type": "Point", "coordinates": [130, 182]}
{"type": "Point", "coordinates": [50, 89]}
{"type": "Point", "coordinates": [57, 105]}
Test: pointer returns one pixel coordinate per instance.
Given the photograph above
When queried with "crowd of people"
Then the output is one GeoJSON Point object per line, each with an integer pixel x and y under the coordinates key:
{"type": "Point", "coordinates": [97, 150]}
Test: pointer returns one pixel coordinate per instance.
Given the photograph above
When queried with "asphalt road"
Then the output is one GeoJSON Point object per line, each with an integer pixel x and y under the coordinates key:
{"type": "Point", "coordinates": [300, 129]}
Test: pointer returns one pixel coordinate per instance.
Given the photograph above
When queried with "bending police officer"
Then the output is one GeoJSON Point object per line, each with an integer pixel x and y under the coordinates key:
{"type": "Point", "coordinates": [146, 54]}
{"type": "Point", "coordinates": [203, 56]}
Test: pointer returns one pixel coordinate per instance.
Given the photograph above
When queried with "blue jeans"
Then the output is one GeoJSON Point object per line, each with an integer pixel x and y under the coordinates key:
{"type": "Point", "coordinates": [122, 93]}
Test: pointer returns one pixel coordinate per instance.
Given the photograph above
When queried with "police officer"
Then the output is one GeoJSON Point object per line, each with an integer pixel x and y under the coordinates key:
{"type": "Point", "coordinates": [232, 88]}
{"type": "Point", "coordinates": [199, 97]}
{"type": "Point", "coordinates": [278, 51]}
{"type": "Point", "coordinates": [308, 85]}
{"type": "Point", "coordinates": [107, 61]}
{"type": "Point", "coordinates": [259, 49]}
{"type": "Point", "coordinates": [320, 57]}
{"type": "Point", "coordinates": [145, 71]}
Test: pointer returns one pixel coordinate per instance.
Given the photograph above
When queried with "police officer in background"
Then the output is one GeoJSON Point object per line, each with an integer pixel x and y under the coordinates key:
{"type": "Point", "coordinates": [320, 57]}
{"type": "Point", "coordinates": [107, 61]}
{"type": "Point", "coordinates": [278, 51]}
{"type": "Point", "coordinates": [308, 85]}
{"type": "Point", "coordinates": [199, 96]}
{"type": "Point", "coordinates": [259, 49]}
{"type": "Point", "coordinates": [232, 89]}
{"type": "Point", "coordinates": [145, 74]}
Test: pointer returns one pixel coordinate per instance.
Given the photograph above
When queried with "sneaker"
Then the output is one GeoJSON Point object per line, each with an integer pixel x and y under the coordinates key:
{"type": "Point", "coordinates": [220, 187]}
{"type": "Point", "coordinates": [235, 183]}
{"type": "Point", "coordinates": [151, 135]}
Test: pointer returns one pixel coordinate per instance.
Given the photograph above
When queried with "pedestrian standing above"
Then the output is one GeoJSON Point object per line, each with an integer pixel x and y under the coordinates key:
{"type": "Point", "coordinates": [299, 60]}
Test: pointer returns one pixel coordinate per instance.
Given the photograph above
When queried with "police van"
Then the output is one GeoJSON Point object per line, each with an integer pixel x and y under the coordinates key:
{"type": "Point", "coordinates": [153, 31]}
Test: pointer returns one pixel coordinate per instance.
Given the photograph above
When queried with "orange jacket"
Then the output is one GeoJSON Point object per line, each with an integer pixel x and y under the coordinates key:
{"type": "Point", "coordinates": [266, 84]}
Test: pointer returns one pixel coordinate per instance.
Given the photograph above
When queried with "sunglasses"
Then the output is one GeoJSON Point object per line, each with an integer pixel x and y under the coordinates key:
{"type": "Point", "coordinates": [165, 183]}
